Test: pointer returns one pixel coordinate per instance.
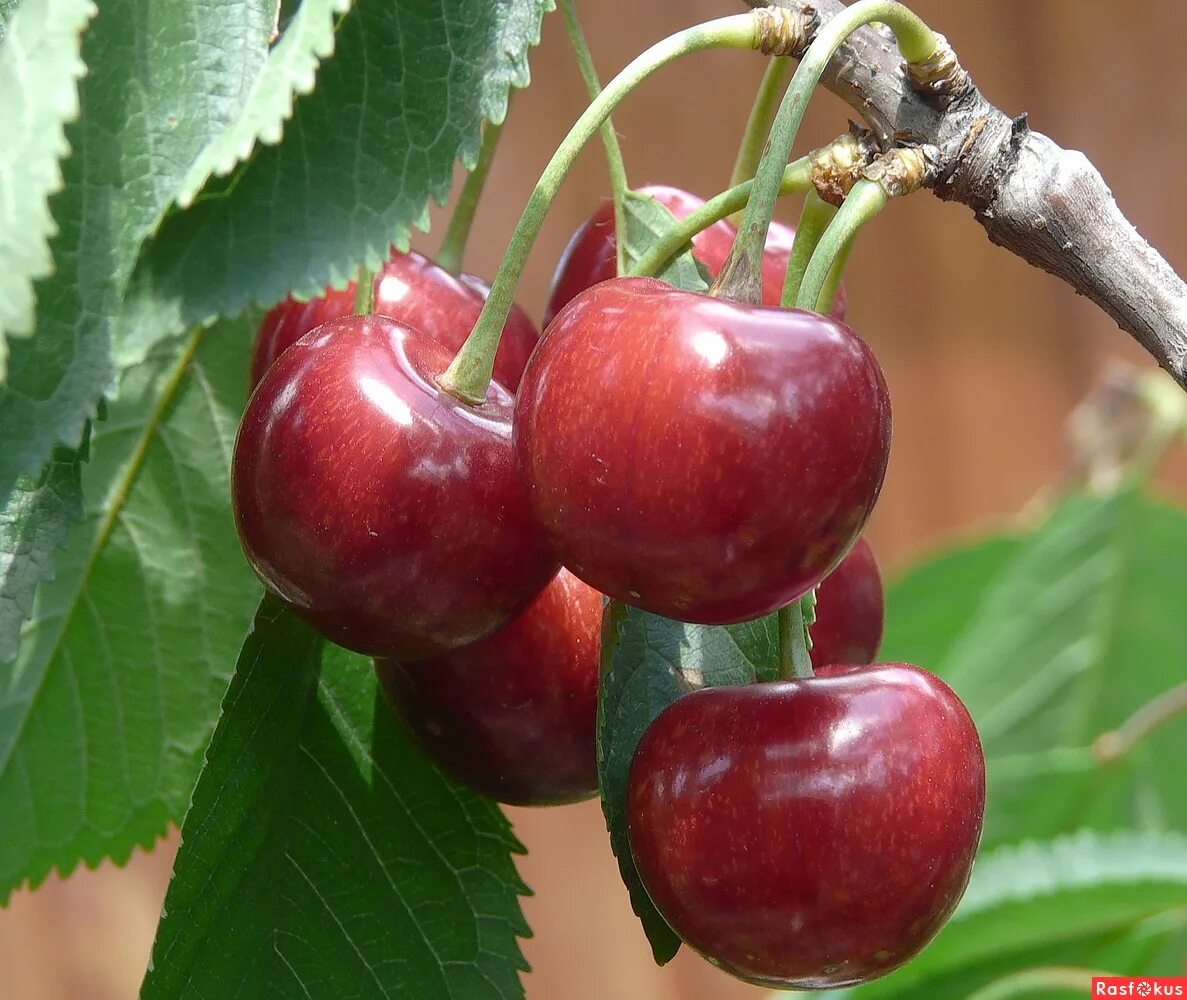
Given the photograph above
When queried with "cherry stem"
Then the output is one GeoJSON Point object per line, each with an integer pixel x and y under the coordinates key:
{"type": "Point", "coordinates": [469, 374]}
{"type": "Point", "coordinates": [814, 219]}
{"type": "Point", "coordinates": [797, 178]}
{"type": "Point", "coordinates": [1029, 981]}
{"type": "Point", "coordinates": [864, 201]}
{"type": "Point", "coordinates": [593, 85]}
{"type": "Point", "coordinates": [794, 658]}
{"type": "Point", "coordinates": [364, 292]}
{"type": "Point", "coordinates": [762, 113]}
{"type": "Point", "coordinates": [1113, 745]}
{"type": "Point", "coordinates": [453, 245]}
{"type": "Point", "coordinates": [742, 275]}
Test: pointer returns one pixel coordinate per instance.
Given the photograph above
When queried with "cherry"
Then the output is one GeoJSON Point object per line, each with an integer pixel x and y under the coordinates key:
{"type": "Point", "coordinates": [591, 255]}
{"type": "Point", "coordinates": [390, 515]}
{"type": "Point", "coordinates": [850, 610]}
{"type": "Point", "coordinates": [701, 459]}
{"type": "Point", "coordinates": [513, 715]}
{"type": "Point", "coordinates": [809, 833]}
{"type": "Point", "coordinates": [415, 291]}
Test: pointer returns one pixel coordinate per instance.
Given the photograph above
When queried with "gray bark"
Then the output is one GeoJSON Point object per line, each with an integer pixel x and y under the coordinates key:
{"type": "Point", "coordinates": [1048, 205]}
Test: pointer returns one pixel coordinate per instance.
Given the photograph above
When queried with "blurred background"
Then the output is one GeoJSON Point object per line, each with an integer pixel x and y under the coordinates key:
{"type": "Point", "coordinates": [985, 358]}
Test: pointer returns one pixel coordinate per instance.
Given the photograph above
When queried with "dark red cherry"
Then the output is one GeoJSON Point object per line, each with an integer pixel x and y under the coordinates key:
{"type": "Point", "coordinates": [701, 459]}
{"type": "Point", "coordinates": [389, 514]}
{"type": "Point", "coordinates": [591, 254]}
{"type": "Point", "coordinates": [512, 716]}
{"type": "Point", "coordinates": [415, 291]}
{"type": "Point", "coordinates": [850, 610]}
{"type": "Point", "coordinates": [809, 834]}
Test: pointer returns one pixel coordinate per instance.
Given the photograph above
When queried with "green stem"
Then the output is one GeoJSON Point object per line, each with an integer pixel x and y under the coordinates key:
{"type": "Point", "coordinates": [762, 113]}
{"type": "Point", "coordinates": [794, 658]}
{"type": "Point", "coordinates": [589, 73]}
{"type": "Point", "coordinates": [865, 201]}
{"type": "Point", "coordinates": [364, 291]}
{"type": "Point", "coordinates": [797, 178]}
{"type": "Point", "coordinates": [1029, 981]}
{"type": "Point", "coordinates": [469, 375]}
{"type": "Point", "coordinates": [742, 274]}
{"type": "Point", "coordinates": [814, 219]}
{"type": "Point", "coordinates": [453, 246]}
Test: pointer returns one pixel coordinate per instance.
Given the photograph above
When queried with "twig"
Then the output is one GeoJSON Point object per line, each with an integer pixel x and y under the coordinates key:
{"type": "Point", "coordinates": [1048, 205]}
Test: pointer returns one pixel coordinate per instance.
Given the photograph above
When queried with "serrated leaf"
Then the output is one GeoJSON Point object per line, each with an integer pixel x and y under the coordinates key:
{"type": "Point", "coordinates": [402, 97]}
{"type": "Point", "coordinates": [1027, 901]}
{"type": "Point", "coordinates": [105, 712]}
{"type": "Point", "coordinates": [40, 66]}
{"type": "Point", "coordinates": [648, 221]}
{"type": "Point", "coordinates": [162, 78]}
{"type": "Point", "coordinates": [324, 857]}
{"type": "Point", "coordinates": [649, 662]}
{"type": "Point", "coordinates": [291, 69]}
{"type": "Point", "coordinates": [33, 526]}
{"type": "Point", "coordinates": [1051, 640]}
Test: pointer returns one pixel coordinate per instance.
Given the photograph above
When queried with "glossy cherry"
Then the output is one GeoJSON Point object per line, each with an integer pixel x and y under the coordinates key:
{"type": "Point", "coordinates": [850, 610]}
{"type": "Point", "coordinates": [701, 459]}
{"type": "Point", "coordinates": [809, 834]}
{"type": "Point", "coordinates": [513, 715]}
{"type": "Point", "coordinates": [390, 515]}
{"type": "Point", "coordinates": [415, 291]}
{"type": "Point", "coordinates": [591, 255]}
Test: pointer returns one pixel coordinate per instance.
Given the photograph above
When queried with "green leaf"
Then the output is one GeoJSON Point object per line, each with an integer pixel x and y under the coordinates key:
{"type": "Point", "coordinates": [290, 70]}
{"type": "Point", "coordinates": [1051, 640]}
{"type": "Point", "coordinates": [162, 78]}
{"type": "Point", "coordinates": [33, 526]}
{"type": "Point", "coordinates": [402, 97]}
{"type": "Point", "coordinates": [648, 221]}
{"type": "Point", "coordinates": [1041, 903]}
{"type": "Point", "coordinates": [39, 70]}
{"type": "Point", "coordinates": [106, 711]}
{"type": "Point", "coordinates": [324, 857]}
{"type": "Point", "coordinates": [649, 662]}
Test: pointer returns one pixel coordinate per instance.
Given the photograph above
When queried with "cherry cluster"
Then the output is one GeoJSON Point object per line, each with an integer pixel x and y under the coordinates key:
{"type": "Point", "coordinates": [698, 458]}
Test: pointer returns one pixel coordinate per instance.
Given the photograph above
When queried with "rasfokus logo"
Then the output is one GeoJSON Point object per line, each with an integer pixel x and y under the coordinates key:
{"type": "Point", "coordinates": [1139, 986]}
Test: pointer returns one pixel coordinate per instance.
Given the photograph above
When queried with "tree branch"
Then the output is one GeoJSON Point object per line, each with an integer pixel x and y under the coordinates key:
{"type": "Point", "coordinates": [1048, 205]}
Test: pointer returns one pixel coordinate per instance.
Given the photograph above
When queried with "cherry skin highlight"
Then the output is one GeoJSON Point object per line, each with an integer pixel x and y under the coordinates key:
{"type": "Point", "coordinates": [513, 715]}
{"type": "Point", "coordinates": [698, 458]}
{"type": "Point", "coordinates": [850, 610]}
{"type": "Point", "coordinates": [418, 293]}
{"type": "Point", "coordinates": [390, 515]}
{"type": "Point", "coordinates": [591, 255]}
{"type": "Point", "coordinates": [809, 834]}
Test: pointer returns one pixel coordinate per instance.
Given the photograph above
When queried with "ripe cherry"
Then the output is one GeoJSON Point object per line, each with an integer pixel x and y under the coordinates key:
{"type": "Point", "coordinates": [809, 834]}
{"type": "Point", "coordinates": [850, 610]}
{"type": "Point", "coordinates": [389, 514]}
{"type": "Point", "coordinates": [701, 459]}
{"type": "Point", "coordinates": [415, 291]}
{"type": "Point", "coordinates": [513, 715]}
{"type": "Point", "coordinates": [591, 255]}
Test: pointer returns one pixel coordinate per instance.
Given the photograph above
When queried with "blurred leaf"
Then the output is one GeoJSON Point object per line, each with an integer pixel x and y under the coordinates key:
{"type": "Point", "coordinates": [162, 78]}
{"type": "Point", "coordinates": [324, 857]}
{"type": "Point", "coordinates": [39, 71]}
{"type": "Point", "coordinates": [402, 97]}
{"type": "Point", "coordinates": [1051, 640]}
{"type": "Point", "coordinates": [307, 38]}
{"type": "Point", "coordinates": [106, 711]}
{"type": "Point", "coordinates": [649, 662]}
{"type": "Point", "coordinates": [1045, 903]}
{"type": "Point", "coordinates": [648, 221]}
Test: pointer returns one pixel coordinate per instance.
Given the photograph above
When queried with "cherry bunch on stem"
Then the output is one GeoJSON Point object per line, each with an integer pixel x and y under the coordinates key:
{"type": "Point", "coordinates": [426, 479]}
